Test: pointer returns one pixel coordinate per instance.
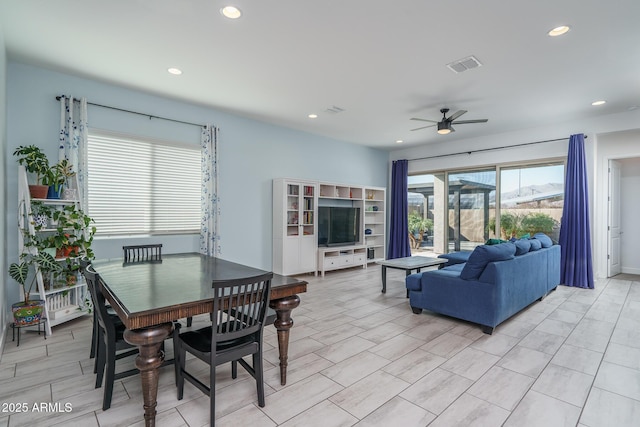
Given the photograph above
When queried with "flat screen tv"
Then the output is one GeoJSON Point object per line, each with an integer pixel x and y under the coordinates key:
{"type": "Point", "coordinates": [338, 226]}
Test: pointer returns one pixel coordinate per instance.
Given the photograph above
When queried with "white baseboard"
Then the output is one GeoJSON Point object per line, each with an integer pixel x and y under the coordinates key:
{"type": "Point", "coordinates": [629, 270]}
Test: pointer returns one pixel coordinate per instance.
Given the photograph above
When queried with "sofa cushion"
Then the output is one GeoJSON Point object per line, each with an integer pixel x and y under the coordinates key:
{"type": "Point", "coordinates": [535, 245]}
{"type": "Point", "coordinates": [544, 239]}
{"type": "Point", "coordinates": [522, 246]}
{"type": "Point", "coordinates": [483, 255]}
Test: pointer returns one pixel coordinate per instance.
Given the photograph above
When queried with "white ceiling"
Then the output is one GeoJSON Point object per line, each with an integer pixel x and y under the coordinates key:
{"type": "Point", "coordinates": [381, 61]}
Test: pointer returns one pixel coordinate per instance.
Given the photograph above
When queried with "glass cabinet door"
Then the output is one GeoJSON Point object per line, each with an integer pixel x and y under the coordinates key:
{"type": "Point", "coordinates": [300, 210]}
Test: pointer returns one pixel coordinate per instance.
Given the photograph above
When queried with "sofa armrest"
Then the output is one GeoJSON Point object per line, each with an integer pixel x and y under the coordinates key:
{"type": "Point", "coordinates": [413, 282]}
{"type": "Point", "coordinates": [455, 257]}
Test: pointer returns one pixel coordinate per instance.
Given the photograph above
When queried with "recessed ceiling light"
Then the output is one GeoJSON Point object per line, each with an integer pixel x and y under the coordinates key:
{"type": "Point", "coordinates": [174, 71]}
{"type": "Point", "coordinates": [399, 141]}
{"type": "Point", "coordinates": [231, 12]}
{"type": "Point", "coordinates": [313, 116]}
{"type": "Point", "coordinates": [601, 102]}
{"type": "Point", "coordinates": [558, 31]}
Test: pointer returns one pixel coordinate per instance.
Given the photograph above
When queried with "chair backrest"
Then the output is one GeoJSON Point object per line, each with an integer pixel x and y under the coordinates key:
{"type": "Point", "coordinates": [137, 253]}
{"type": "Point", "coordinates": [84, 262]}
{"type": "Point", "coordinates": [240, 307]}
{"type": "Point", "coordinates": [99, 302]}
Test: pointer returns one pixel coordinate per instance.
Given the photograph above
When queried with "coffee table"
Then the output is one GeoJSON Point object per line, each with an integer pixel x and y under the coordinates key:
{"type": "Point", "coordinates": [408, 264]}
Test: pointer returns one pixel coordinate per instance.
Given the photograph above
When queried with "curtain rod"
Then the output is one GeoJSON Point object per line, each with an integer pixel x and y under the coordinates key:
{"type": "Point", "coordinates": [491, 149]}
{"type": "Point", "coordinates": [134, 112]}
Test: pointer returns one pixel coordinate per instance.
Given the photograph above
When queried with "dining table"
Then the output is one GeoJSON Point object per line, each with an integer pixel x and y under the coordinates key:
{"type": "Point", "coordinates": [149, 296]}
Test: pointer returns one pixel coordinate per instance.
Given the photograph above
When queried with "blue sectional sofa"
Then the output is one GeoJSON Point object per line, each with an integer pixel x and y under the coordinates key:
{"type": "Point", "coordinates": [495, 282]}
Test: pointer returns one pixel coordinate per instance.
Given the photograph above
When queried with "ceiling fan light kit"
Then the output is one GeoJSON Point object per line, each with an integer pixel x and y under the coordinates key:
{"type": "Point", "coordinates": [445, 128]}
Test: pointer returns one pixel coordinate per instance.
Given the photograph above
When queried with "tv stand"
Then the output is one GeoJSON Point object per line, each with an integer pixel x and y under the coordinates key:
{"type": "Point", "coordinates": [337, 257]}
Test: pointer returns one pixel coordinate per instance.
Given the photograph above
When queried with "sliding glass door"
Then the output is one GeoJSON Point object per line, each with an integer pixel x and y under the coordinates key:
{"type": "Point", "coordinates": [459, 210]}
{"type": "Point", "coordinates": [427, 220]}
{"type": "Point", "coordinates": [471, 207]}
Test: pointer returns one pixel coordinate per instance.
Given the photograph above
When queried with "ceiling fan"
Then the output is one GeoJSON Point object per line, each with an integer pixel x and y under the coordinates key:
{"type": "Point", "coordinates": [444, 125]}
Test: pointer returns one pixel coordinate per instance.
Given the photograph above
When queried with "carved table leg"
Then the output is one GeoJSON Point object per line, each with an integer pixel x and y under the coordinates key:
{"type": "Point", "coordinates": [150, 357]}
{"type": "Point", "coordinates": [283, 324]}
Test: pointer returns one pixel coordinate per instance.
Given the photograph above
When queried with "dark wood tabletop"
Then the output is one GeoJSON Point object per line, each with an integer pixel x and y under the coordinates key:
{"type": "Point", "coordinates": [148, 293]}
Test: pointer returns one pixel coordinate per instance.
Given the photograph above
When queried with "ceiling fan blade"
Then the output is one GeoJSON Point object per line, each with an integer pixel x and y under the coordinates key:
{"type": "Point", "coordinates": [423, 127]}
{"type": "Point", "coordinates": [456, 115]}
{"type": "Point", "coordinates": [423, 120]}
{"type": "Point", "coordinates": [462, 122]}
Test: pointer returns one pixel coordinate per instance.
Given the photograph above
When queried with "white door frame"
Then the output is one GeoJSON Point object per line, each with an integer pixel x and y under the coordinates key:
{"type": "Point", "coordinates": [614, 233]}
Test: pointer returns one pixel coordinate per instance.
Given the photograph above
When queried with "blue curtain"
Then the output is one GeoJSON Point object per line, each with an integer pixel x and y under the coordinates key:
{"type": "Point", "coordinates": [575, 239]}
{"type": "Point", "coordinates": [399, 245]}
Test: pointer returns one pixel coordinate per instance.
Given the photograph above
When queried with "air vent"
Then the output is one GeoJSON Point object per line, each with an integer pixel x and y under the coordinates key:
{"type": "Point", "coordinates": [464, 64]}
{"type": "Point", "coordinates": [334, 110]}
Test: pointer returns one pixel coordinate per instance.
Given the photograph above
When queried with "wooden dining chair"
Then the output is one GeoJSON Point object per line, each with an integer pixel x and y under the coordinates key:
{"type": "Point", "coordinates": [239, 314]}
{"type": "Point", "coordinates": [146, 253]}
{"type": "Point", "coordinates": [95, 333]}
{"type": "Point", "coordinates": [84, 262]}
{"type": "Point", "coordinates": [138, 253]}
{"type": "Point", "coordinates": [110, 343]}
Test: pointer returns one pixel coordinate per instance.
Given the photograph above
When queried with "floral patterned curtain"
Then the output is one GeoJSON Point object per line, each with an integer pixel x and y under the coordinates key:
{"type": "Point", "coordinates": [73, 140]}
{"type": "Point", "coordinates": [209, 201]}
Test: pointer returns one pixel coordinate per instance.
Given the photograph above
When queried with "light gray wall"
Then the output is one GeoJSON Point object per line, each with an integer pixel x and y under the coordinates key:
{"type": "Point", "coordinates": [4, 283]}
{"type": "Point", "coordinates": [252, 153]}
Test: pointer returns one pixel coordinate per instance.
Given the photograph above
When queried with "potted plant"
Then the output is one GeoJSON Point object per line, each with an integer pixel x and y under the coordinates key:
{"type": "Point", "coordinates": [41, 215]}
{"type": "Point", "coordinates": [57, 176]}
{"type": "Point", "coordinates": [36, 163]}
{"type": "Point", "coordinates": [74, 232]}
{"type": "Point", "coordinates": [54, 180]}
{"type": "Point", "coordinates": [417, 227]}
{"type": "Point", "coordinates": [29, 311]}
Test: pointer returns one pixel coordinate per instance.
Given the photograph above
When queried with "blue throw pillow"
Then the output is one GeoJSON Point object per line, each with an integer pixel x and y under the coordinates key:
{"type": "Point", "coordinates": [544, 239]}
{"type": "Point", "coordinates": [522, 246]}
{"type": "Point", "coordinates": [535, 245]}
{"type": "Point", "coordinates": [483, 255]}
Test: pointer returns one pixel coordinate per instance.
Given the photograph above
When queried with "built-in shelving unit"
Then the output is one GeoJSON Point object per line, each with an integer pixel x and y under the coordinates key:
{"type": "Point", "coordinates": [295, 211]}
{"type": "Point", "coordinates": [375, 222]}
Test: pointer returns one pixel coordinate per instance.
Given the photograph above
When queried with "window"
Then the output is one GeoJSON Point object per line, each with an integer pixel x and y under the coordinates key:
{"type": "Point", "coordinates": [525, 200]}
{"type": "Point", "coordinates": [531, 200]}
{"type": "Point", "coordinates": [142, 186]}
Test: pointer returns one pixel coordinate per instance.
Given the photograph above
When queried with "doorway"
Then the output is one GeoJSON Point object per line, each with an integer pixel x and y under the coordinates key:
{"type": "Point", "coordinates": [622, 223]}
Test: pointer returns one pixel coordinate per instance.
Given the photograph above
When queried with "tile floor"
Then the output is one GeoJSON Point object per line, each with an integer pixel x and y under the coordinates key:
{"type": "Point", "coordinates": [362, 358]}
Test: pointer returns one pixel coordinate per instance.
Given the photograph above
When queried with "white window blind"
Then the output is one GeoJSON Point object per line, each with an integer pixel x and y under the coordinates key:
{"type": "Point", "coordinates": [141, 186]}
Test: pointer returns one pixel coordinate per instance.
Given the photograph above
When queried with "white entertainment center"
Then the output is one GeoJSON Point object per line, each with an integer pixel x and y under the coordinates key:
{"type": "Point", "coordinates": [296, 204]}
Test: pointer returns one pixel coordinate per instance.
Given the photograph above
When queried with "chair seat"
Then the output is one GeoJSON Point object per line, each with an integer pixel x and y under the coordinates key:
{"type": "Point", "coordinates": [200, 340]}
